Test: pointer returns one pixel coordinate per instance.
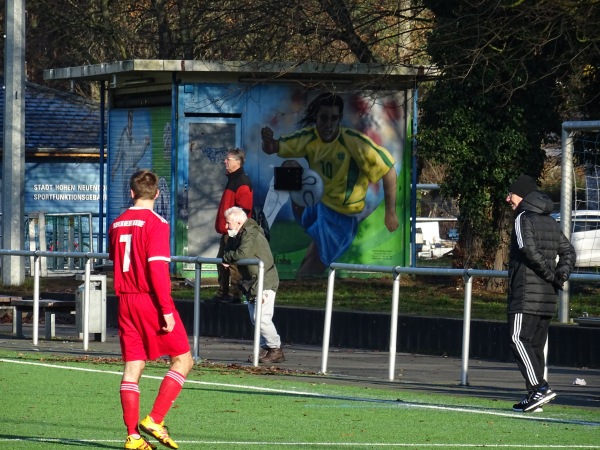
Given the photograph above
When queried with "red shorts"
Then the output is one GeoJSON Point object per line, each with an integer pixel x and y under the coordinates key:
{"type": "Point", "coordinates": [140, 330]}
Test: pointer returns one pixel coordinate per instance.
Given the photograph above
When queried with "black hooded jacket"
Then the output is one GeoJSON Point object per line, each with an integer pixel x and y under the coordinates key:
{"type": "Point", "coordinates": [536, 241]}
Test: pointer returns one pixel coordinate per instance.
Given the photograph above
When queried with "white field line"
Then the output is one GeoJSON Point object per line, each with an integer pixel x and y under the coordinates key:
{"type": "Point", "coordinates": [389, 403]}
{"type": "Point", "coordinates": [229, 444]}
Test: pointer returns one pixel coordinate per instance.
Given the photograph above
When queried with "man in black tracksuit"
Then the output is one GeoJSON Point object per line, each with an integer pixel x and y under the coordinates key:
{"type": "Point", "coordinates": [534, 279]}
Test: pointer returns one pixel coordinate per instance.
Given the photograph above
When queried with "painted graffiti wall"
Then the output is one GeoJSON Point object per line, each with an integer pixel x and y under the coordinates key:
{"type": "Point", "coordinates": [340, 213]}
{"type": "Point", "coordinates": [351, 147]}
{"type": "Point", "coordinates": [138, 139]}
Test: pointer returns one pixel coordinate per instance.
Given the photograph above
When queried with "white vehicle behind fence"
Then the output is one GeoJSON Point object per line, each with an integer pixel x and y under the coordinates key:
{"type": "Point", "coordinates": [585, 237]}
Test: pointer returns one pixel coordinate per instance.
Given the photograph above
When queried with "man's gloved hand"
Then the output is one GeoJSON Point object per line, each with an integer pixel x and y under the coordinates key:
{"type": "Point", "coordinates": [558, 284]}
{"type": "Point", "coordinates": [560, 276]}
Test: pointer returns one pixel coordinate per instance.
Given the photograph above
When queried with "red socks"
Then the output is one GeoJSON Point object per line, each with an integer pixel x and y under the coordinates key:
{"type": "Point", "coordinates": [169, 389]}
{"type": "Point", "coordinates": [130, 402]}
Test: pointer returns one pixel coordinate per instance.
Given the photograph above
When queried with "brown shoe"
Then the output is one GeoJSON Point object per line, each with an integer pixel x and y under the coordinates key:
{"type": "Point", "coordinates": [274, 355]}
{"type": "Point", "coordinates": [261, 354]}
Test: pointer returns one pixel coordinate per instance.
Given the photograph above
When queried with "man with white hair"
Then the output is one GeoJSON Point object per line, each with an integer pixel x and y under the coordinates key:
{"type": "Point", "coordinates": [247, 241]}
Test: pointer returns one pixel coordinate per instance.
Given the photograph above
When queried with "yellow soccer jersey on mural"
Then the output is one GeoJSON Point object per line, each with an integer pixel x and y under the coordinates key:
{"type": "Point", "coordinates": [346, 165]}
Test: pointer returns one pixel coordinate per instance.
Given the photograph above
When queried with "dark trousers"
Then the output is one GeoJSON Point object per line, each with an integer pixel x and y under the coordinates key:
{"type": "Point", "coordinates": [229, 278]}
{"type": "Point", "coordinates": [528, 336]}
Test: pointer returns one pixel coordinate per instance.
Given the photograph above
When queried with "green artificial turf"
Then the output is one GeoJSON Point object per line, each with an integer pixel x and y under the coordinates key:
{"type": "Point", "coordinates": [63, 403]}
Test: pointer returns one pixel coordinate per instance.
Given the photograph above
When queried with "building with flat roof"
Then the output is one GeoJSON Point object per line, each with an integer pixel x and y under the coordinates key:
{"type": "Point", "coordinates": [62, 155]}
{"type": "Point", "coordinates": [179, 118]}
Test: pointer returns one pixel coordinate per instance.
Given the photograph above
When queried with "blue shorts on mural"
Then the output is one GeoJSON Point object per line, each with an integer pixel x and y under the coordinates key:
{"type": "Point", "coordinates": [331, 231]}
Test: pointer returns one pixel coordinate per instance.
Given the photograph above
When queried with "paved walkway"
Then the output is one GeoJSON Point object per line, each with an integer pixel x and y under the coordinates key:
{"type": "Point", "coordinates": [433, 374]}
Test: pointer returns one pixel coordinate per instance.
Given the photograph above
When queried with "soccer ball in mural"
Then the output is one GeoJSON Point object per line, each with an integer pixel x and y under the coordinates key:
{"type": "Point", "coordinates": [311, 191]}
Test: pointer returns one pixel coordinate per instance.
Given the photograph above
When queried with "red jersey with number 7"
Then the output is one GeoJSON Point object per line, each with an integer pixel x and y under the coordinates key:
{"type": "Point", "coordinates": [139, 248]}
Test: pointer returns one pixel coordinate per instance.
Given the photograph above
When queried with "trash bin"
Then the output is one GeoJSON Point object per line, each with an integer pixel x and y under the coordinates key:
{"type": "Point", "coordinates": [97, 315]}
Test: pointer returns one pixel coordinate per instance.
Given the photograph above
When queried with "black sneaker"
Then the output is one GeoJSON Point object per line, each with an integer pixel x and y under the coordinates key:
{"type": "Point", "coordinates": [520, 407]}
{"type": "Point", "coordinates": [539, 397]}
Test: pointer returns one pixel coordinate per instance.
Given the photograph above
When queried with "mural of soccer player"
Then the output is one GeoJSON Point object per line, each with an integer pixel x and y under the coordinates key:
{"type": "Point", "coordinates": [347, 162]}
{"type": "Point", "coordinates": [130, 152]}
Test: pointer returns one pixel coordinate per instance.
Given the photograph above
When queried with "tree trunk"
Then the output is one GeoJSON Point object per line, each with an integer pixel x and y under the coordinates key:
{"type": "Point", "coordinates": [501, 254]}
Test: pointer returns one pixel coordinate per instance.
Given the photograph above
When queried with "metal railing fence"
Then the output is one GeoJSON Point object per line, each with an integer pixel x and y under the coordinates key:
{"type": "Point", "coordinates": [395, 271]}
{"type": "Point", "coordinates": [466, 274]}
{"type": "Point", "coordinates": [36, 256]}
{"type": "Point", "coordinates": [198, 261]}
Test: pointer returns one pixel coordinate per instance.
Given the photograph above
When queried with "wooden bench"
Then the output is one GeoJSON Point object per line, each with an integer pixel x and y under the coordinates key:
{"type": "Point", "coordinates": [5, 305]}
{"type": "Point", "coordinates": [48, 307]}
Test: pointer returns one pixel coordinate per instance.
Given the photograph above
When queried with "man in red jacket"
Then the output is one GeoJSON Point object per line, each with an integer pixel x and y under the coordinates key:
{"type": "Point", "coordinates": [238, 192]}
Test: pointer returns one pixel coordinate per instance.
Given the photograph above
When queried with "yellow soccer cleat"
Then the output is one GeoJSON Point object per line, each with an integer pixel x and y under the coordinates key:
{"type": "Point", "coordinates": [138, 443]}
{"type": "Point", "coordinates": [158, 431]}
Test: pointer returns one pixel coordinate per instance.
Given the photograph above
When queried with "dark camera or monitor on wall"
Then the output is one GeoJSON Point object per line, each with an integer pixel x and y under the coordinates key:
{"type": "Point", "coordinates": [288, 178]}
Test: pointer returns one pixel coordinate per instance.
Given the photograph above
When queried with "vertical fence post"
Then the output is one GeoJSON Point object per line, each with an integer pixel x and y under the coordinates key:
{"type": "Point", "coordinates": [258, 311]}
{"type": "Point", "coordinates": [86, 303]}
{"type": "Point", "coordinates": [36, 298]}
{"type": "Point", "coordinates": [464, 371]}
{"type": "Point", "coordinates": [566, 198]}
{"type": "Point", "coordinates": [328, 313]}
{"type": "Point", "coordinates": [198, 275]}
{"type": "Point", "coordinates": [394, 325]}
{"type": "Point", "coordinates": [546, 360]}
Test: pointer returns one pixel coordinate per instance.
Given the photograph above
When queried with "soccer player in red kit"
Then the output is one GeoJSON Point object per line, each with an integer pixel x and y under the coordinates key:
{"type": "Point", "coordinates": [149, 324]}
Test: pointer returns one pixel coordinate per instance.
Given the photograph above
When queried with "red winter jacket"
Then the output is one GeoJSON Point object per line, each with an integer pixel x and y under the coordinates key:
{"type": "Point", "coordinates": [238, 192]}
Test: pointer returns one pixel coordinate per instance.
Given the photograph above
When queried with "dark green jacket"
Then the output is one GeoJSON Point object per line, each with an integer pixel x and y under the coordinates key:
{"type": "Point", "coordinates": [250, 243]}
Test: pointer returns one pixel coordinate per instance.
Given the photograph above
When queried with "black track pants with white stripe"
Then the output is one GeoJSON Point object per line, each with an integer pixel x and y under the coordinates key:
{"type": "Point", "coordinates": [528, 335]}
